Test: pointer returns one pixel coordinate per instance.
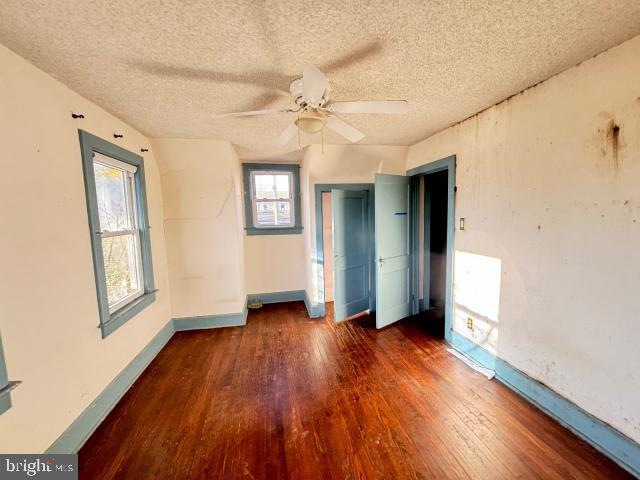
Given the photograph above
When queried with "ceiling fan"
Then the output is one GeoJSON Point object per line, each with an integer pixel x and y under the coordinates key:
{"type": "Point", "coordinates": [315, 112]}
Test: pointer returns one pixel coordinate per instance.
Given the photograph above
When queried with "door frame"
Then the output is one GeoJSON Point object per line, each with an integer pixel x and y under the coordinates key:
{"type": "Point", "coordinates": [319, 189]}
{"type": "Point", "coordinates": [448, 164]}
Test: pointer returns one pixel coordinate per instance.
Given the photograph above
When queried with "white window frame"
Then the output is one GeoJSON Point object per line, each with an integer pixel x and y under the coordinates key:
{"type": "Point", "coordinates": [255, 200]}
{"type": "Point", "coordinates": [130, 196]}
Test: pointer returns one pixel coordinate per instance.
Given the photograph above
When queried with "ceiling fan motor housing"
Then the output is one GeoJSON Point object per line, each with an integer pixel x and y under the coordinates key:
{"type": "Point", "coordinates": [296, 89]}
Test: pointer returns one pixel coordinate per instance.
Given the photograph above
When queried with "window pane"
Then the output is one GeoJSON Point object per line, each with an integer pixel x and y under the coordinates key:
{"type": "Point", "coordinates": [282, 186]}
{"type": "Point", "coordinates": [265, 186]}
{"type": "Point", "coordinates": [283, 213]}
{"type": "Point", "coordinates": [112, 198]}
{"type": "Point", "coordinates": [273, 214]}
{"type": "Point", "coordinates": [120, 266]}
{"type": "Point", "coordinates": [265, 214]}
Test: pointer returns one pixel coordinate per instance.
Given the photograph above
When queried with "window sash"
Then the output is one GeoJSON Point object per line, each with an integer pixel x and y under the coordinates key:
{"type": "Point", "coordinates": [114, 162]}
{"type": "Point", "coordinates": [277, 223]}
{"type": "Point", "coordinates": [255, 200]}
{"type": "Point", "coordinates": [114, 307]}
{"type": "Point", "coordinates": [130, 191]}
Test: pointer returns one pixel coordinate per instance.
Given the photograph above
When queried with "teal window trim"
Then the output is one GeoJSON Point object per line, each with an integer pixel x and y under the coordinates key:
{"type": "Point", "coordinates": [250, 228]}
{"type": "Point", "coordinates": [5, 385]}
{"type": "Point", "coordinates": [89, 144]}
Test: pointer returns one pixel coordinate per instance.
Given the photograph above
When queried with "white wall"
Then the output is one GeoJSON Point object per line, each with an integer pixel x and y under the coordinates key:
{"type": "Point", "coordinates": [274, 263]}
{"type": "Point", "coordinates": [339, 164]}
{"type": "Point", "coordinates": [549, 261]}
{"type": "Point", "coordinates": [201, 183]}
{"type": "Point", "coordinates": [48, 309]}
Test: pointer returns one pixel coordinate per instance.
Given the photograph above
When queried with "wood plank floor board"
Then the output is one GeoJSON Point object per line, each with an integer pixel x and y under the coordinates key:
{"type": "Point", "coordinates": [291, 397]}
{"type": "Point", "coordinates": [540, 453]}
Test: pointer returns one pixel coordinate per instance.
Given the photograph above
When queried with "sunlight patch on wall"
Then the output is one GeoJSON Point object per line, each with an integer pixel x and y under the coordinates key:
{"type": "Point", "coordinates": [476, 297]}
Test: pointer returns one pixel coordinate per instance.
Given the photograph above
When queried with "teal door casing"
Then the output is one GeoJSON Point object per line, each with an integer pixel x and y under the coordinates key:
{"type": "Point", "coordinates": [351, 252]}
{"type": "Point", "coordinates": [319, 259]}
{"type": "Point", "coordinates": [448, 164]}
{"type": "Point", "coordinates": [393, 249]}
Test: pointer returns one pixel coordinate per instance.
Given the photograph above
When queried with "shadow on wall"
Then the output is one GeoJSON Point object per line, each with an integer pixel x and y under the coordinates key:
{"type": "Point", "coordinates": [477, 298]}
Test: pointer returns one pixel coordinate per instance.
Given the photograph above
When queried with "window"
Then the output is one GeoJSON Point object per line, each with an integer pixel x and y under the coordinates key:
{"type": "Point", "coordinates": [115, 192]}
{"type": "Point", "coordinates": [272, 198]}
{"type": "Point", "coordinates": [116, 202]}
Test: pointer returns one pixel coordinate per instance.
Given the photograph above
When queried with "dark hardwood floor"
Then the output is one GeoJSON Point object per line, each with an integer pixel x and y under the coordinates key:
{"type": "Point", "coordinates": [290, 397]}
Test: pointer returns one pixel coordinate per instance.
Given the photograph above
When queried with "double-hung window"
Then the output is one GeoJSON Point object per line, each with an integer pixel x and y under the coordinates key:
{"type": "Point", "coordinates": [119, 229]}
{"type": "Point", "coordinates": [272, 198]}
{"type": "Point", "coordinates": [116, 202]}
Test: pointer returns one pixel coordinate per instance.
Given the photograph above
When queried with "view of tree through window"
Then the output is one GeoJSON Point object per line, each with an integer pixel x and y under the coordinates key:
{"type": "Point", "coordinates": [272, 199]}
{"type": "Point", "coordinates": [120, 241]}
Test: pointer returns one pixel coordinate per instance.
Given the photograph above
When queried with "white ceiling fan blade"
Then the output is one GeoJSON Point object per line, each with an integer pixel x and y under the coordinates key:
{"type": "Point", "coordinates": [287, 134]}
{"type": "Point", "coordinates": [314, 84]}
{"type": "Point", "coordinates": [342, 128]}
{"type": "Point", "coordinates": [375, 106]}
{"type": "Point", "coordinates": [252, 113]}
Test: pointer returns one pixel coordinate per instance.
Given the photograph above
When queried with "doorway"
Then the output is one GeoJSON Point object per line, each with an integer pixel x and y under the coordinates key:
{"type": "Point", "coordinates": [432, 238]}
{"type": "Point", "coordinates": [432, 250]}
{"type": "Point", "coordinates": [345, 248]}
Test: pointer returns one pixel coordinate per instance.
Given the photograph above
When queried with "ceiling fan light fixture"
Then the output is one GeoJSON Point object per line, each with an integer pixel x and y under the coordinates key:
{"type": "Point", "coordinates": [311, 122]}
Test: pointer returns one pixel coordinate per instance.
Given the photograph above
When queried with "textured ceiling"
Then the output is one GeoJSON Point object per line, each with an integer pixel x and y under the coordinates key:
{"type": "Point", "coordinates": [166, 67]}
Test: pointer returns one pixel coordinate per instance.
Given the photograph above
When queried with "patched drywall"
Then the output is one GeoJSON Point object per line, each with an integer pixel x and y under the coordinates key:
{"type": "Point", "coordinates": [548, 184]}
{"type": "Point", "coordinates": [48, 308]}
{"type": "Point", "coordinates": [201, 184]}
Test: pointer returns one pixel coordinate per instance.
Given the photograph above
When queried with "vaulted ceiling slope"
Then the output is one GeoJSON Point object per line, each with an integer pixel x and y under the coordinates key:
{"type": "Point", "coordinates": [167, 66]}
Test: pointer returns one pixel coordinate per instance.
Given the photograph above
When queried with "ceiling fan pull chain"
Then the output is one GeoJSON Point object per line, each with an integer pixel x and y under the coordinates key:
{"type": "Point", "coordinates": [322, 141]}
{"type": "Point", "coordinates": [298, 125]}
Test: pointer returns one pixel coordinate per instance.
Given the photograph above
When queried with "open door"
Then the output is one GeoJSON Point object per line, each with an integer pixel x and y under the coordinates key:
{"type": "Point", "coordinates": [350, 232]}
{"type": "Point", "coordinates": [393, 251]}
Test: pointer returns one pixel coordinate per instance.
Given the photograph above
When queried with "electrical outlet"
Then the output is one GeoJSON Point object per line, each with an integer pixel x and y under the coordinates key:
{"type": "Point", "coordinates": [470, 323]}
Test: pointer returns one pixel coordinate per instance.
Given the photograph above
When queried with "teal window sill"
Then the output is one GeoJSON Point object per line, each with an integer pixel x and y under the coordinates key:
{"type": "Point", "coordinates": [274, 231]}
{"type": "Point", "coordinates": [5, 396]}
{"type": "Point", "coordinates": [126, 313]}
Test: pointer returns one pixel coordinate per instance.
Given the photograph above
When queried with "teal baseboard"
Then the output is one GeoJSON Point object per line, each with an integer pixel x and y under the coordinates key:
{"type": "Point", "coordinates": [277, 297]}
{"type": "Point", "coordinates": [474, 351]}
{"type": "Point", "coordinates": [602, 436]}
{"type": "Point", "coordinates": [81, 429]}
{"type": "Point", "coordinates": [211, 321]}
{"type": "Point", "coordinates": [315, 310]}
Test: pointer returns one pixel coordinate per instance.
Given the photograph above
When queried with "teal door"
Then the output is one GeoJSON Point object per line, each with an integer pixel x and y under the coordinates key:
{"type": "Point", "coordinates": [350, 232]}
{"type": "Point", "coordinates": [393, 251]}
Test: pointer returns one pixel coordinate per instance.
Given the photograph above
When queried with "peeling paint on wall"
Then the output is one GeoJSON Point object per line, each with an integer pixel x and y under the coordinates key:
{"type": "Point", "coordinates": [558, 161]}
